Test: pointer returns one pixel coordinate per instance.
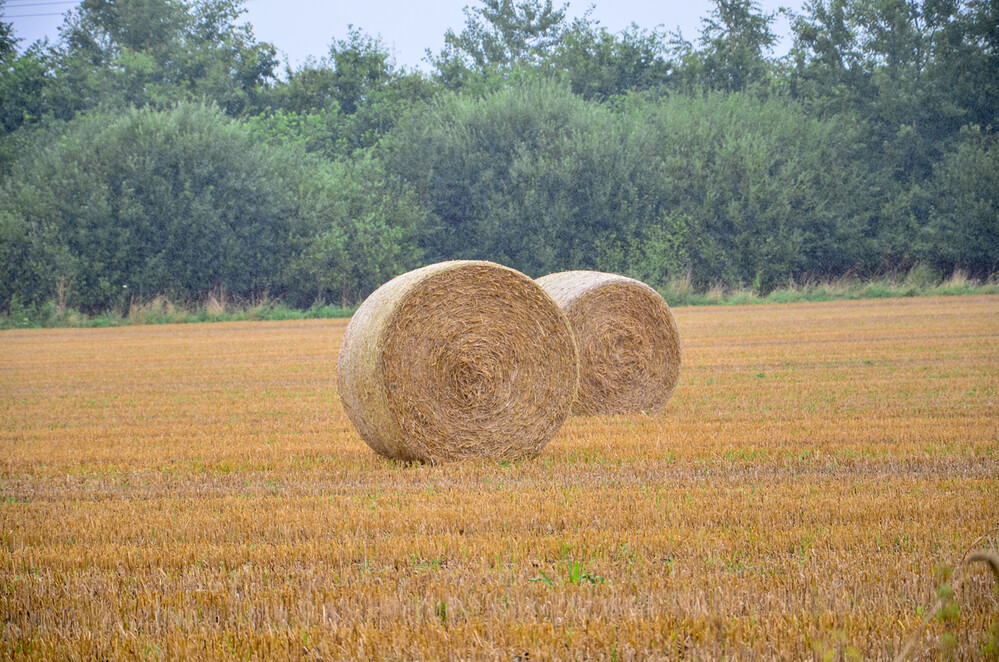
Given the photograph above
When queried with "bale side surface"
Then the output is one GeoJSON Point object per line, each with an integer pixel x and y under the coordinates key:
{"type": "Point", "coordinates": [457, 360]}
{"type": "Point", "coordinates": [628, 343]}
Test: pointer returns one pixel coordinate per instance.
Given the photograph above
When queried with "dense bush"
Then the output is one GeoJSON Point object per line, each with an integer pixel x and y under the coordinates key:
{"type": "Point", "coordinates": [963, 225]}
{"type": "Point", "coordinates": [536, 141]}
{"type": "Point", "coordinates": [734, 189]}
{"type": "Point", "coordinates": [751, 192]}
{"type": "Point", "coordinates": [185, 202]}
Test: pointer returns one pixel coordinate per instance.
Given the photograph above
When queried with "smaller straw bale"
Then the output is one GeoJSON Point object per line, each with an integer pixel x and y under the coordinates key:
{"type": "Point", "coordinates": [629, 346]}
{"type": "Point", "coordinates": [458, 360]}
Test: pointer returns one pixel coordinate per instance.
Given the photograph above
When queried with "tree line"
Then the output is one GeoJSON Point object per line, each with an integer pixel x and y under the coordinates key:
{"type": "Point", "coordinates": [157, 147]}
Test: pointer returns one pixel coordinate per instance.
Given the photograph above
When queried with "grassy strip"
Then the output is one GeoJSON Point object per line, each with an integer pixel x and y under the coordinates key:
{"type": "Point", "coordinates": [161, 310]}
{"type": "Point", "coordinates": [916, 283]}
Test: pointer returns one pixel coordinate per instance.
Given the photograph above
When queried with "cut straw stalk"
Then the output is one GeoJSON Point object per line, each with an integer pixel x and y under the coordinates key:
{"type": "Point", "coordinates": [629, 346]}
{"type": "Point", "coordinates": [457, 360]}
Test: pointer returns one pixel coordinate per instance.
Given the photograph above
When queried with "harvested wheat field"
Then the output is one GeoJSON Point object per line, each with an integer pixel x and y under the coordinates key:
{"type": "Point", "coordinates": [198, 492]}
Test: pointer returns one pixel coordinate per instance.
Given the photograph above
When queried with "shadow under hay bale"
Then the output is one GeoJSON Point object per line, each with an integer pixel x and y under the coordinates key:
{"type": "Point", "coordinates": [629, 346]}
{"type": "Point", "coordinates": [457, 360]}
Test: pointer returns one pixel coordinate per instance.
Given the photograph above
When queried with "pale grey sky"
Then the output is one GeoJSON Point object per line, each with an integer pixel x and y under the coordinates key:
{"type": "Point", "coordinates": [300, 28]}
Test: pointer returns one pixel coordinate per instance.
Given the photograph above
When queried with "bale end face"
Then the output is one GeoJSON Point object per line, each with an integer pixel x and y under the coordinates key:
{"type": "Point", "coordinates": [628, 343]}
{"type": "Point", "coordinates": [458, 360]}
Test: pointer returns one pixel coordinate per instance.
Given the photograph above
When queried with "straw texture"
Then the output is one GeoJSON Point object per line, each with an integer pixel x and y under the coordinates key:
{"type": "Point", "coordinates": [457, 360]}
{"type": "Point", "coordinates": [629, 347]}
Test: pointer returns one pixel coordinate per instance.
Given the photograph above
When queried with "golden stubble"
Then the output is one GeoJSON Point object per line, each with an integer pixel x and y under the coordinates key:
{"type": "Point", "coordinates": [197, 491]}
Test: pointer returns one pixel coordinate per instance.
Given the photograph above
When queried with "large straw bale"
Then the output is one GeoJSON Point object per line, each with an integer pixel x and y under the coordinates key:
{"type": "Point", "coordinates": [456, 360]}
{"type": "Point", "coordinates": [629, 347]}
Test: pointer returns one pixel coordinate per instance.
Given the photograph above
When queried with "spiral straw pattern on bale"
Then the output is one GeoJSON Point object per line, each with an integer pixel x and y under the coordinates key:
{"type": "Point", "coordinates": [629, 347]}
{"type": "Point", "coordinates": [457, 360]}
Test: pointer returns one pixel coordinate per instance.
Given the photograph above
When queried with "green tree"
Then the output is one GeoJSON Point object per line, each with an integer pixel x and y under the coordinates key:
{"type": "Point", "coordinates": [161, 51]}
{"type": "Point", "coordinates": [356, 67]}
{"type": "Point", "coordinates": [348, 100]}
{"type": "Point", "coordinates": [182, 202]}
{"type": "Point", "coordinates": [26, 92]}
{"type": "Point", "coordinates": [600, 65]}
{"type": "Point", "coordinates": [499, 36]}
{"type": "Point", "coordinates": [8, 42]}
{"type": "Point", "coordinates": [916, 71]}
{"type": "Point", "coordinates": [23, 82]}
{"type": "Point", "coordinates": [492, 173]}
{"type": "Point", "coordinates": [830, 74]}
{"type": "Point", "coordinates": [362, 236]}
{"type": "Point", "coordinates": [759, 191]}
{"type": "Point", "coordinates": [361, 65]}
{"type": "Point", "coordinates": [913, 73]}
{"type": "Point", "coordinates": [735, 41]}
{"type": "Point", "coordinates": [963, 227]}
{"type": "Point", "coordinates": [381, 109]}
{"type": "Point", "coordinates": [734, 189]}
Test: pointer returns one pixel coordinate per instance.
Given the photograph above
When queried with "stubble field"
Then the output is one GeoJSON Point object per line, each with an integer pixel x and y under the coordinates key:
{"type": "Point", "coordinates": [197, 492]}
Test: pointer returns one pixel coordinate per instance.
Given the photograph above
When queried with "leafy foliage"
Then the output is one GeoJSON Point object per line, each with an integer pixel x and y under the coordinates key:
{"type": "Point", "coordinates": [735, 189]}
{"type": "Point", "coordinates": [8, 42]}
{"type": "Point", "coordinates": [185, 202]}
{"type": "Point", "coordinates": [602, 65]}
{"type": "Point", "coordinates": [735, 40]}
{"type": "Point", "coordinates": [158, 52]}
{"type": "Point", "coordinates": [535, 140]}
{"type": "Point", "coordinates": [963, 227]}
{"type": "Point", "coordinates": [499, 35]}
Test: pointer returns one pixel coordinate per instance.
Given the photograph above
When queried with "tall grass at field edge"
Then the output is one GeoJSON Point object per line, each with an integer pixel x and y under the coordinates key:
{"type": "Point", "coordinates": [161, 310]}
{"type": "Point", "coordinates": [919, 281]}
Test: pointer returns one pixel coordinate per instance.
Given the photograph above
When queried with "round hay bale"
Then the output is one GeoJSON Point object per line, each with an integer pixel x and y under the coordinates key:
{"type": "Point", "coordinates": [629, 347]}
{"type": "Point", "coordinates": [457, 360]}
